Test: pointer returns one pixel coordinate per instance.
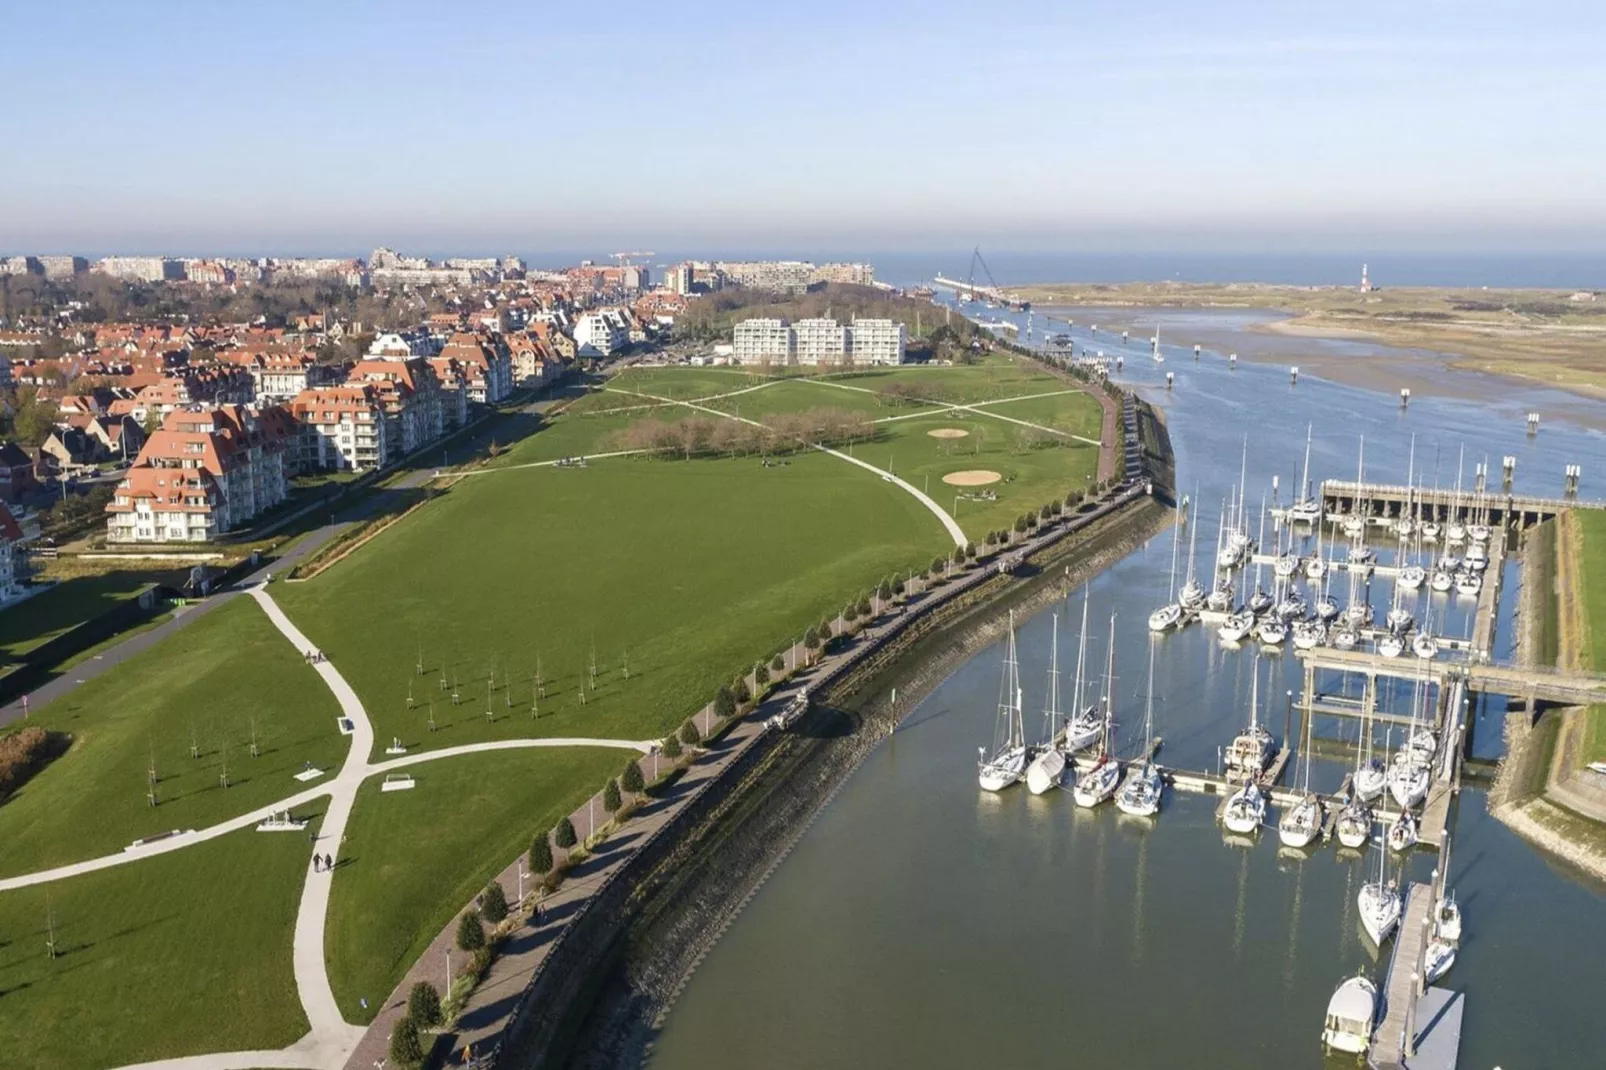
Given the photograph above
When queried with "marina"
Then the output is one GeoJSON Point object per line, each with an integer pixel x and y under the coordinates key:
{"type": "Point", "coordinates": [1064, 886]}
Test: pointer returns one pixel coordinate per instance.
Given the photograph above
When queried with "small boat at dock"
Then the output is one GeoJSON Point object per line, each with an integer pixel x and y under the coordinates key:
{"type": "Point", "coordinates": [1350, 1016]}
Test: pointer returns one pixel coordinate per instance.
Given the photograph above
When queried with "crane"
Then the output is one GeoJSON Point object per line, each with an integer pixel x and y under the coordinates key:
{"type": "Point", "coordinates": [998, 291]}
{"type": "Point", "coordinates": [636, 254]}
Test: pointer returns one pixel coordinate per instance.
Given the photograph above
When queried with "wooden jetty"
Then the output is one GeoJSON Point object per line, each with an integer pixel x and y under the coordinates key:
{"type": "Point", "coordinates": [1420, 1027]}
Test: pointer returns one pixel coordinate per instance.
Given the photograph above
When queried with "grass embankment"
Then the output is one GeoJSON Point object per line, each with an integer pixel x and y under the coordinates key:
{"type": "Point", "coordinates": [210, 683]}
{"type": "Point", "coordinates": [682, 572]}
{"type": "Point", "coordinates": [174, 955]}
{"type": "Point", "coordinates": [77, 598]}
{"type": "Point", "coordinates": [1591, 591]}
{"type": "Point", "coordinates": [414, 858]}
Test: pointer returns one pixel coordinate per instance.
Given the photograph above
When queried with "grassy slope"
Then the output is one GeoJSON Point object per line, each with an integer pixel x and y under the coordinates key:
{"type": "Point", "coordinates": [66, 605]}
{"type": "Point", "coordinates": [214, 677]}
{"type": "Point", "coordinates": [1592, 523]}
{"type": "Point", "coordinates": [693, 570]}
{"type": "Point", "coordinates": [179, 954]}
{"type": "Point", "coordinates": [413, 858]}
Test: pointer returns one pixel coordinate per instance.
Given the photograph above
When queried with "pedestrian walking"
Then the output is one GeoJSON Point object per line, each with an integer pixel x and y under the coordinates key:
{"type": "Point", "coordinates": [329, 862]}
{"type": "Point", "coordinates": [317, 863]}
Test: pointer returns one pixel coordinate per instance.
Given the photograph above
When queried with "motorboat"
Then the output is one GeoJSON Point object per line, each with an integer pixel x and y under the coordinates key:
{"type": "Point", "coordinates": [1412, 577]}
{"type": "Point", "coordinates": [1350, 1015]}
{"type": "Point", "coordinates": [1237, 626]}
{"type": "Point", "coordinates": [1354, 824]}
{"type": "Point", "coordinates": [1424, 646]}
{"type": "Point", "coordinates": [1305, 511]}
{"type": "Point", "coordinates": [1379, 903]}
{"type": "Point", "coordinates": [1438, 959]}
{"type": "Point", "coordinates": [1047, 770]}
{"type": "Point", "coordinates": [1447, 922]}
{"type": "Point", "coordinates": [1245, 811]}
{"type": "Point", "coordinates": [1272, 631]}
{"type": "Point", "coordinates": [1442, 581]}
{"type": "Point", "coordinates": [1403, 832]}
{"type": "Point", "coordinates": [1391, 645]}
{"type": "Point", "coordinates": [1007, 763]}
{"type": "Point", "coordinates": [1370, 779]}
{"type": "Point", "coordinates": [1260, 601]}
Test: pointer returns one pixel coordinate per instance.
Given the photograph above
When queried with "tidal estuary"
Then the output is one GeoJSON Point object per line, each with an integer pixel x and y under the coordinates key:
{"type": "Point", "coordinates": [923, 922]}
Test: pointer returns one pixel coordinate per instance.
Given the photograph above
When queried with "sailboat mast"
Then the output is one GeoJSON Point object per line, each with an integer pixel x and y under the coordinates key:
{"type": "Point", "coordinates": [1109, 691]}
{"type": "Point", "coordinates": [1148, 709]}
{"type": "Point", "coordinates": [1304, 475]}
{"type": "Point", "coordinates": [1051, 714]}
{"type": "Point", "coordinates": [1077, 688]}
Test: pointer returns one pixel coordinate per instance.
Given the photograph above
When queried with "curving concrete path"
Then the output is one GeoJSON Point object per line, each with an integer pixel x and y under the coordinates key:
{"type": "Point", "coordinates": [949, 524]}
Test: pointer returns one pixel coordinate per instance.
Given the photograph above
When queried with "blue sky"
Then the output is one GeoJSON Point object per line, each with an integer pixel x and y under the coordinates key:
{"type": "Point", "coordinates": [289, 127]}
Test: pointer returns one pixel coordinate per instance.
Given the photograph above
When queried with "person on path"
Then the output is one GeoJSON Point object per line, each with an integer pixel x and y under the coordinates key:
{"type": "Point", "coordinates": [329, 862]}
{"type": "Point", "coordinates": [317, 863]}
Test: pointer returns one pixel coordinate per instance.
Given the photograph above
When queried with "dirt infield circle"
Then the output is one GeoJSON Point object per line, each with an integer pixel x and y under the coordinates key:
{"type": "Point", "coordinates": [974, 477]}
{"type": "Point", "coordinates": [949, 432]}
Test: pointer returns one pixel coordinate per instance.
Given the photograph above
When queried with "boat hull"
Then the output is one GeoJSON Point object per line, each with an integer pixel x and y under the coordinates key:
{"type": "Point", "coordinates": [1046, 772]}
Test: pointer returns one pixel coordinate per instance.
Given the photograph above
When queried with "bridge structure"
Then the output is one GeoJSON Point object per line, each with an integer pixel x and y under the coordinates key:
{"type": "Point", "coordinates": [1383, 503]}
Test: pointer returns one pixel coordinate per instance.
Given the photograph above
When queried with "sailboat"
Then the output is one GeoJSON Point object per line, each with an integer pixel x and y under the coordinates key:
{"type": "Point", "coordinates": [1370, 776]}
{"type": "Point", "coordinates": [1140, 795]}
{"type": "Point", "coordinates": [1086, 724]}
{"type": "Point", "coordinates": [1100, 781]}
{"type": "Point", "coordinates": [1446, 927]}
{"type": "Point", "coordinates": [1354, 824]}
{"type": "Point", "coordinates": [1193, 593]}
{"type": "Point", "coordinates": [1309, 634]}
{"type": "Point", "coordinates": [1048, 768]}
{"type": "Point", "coordinates": [1250, 750]}
{"type": "Point", "coordinates": [1272, 631]}
{"type": "Point", "coordinates": [1403, 833]}
{"type": "Point", "coordinates": [1424, 645]}
{"type": "Point", "coordinates": [1316, 567]}
{"type": "Point", "coordinates": [1302, 822]}
{"type": "Point", "coordinates": [1391, 645]}
{"type": "Point", "coordinates": [1007, 763]}
{"type": "Point", "coordinates": [1409, 771]}
{"type": "Point", "coordinates": [1305, 509]}
{"type": "Point", "coordinates": [1456, 530]}
{"type": "Point", "coordinates": [1228, 552]}
{"type": "Point", "coordinates": [1379, 902]}
{"type": "Point", "coordinates": [1170, 614]}
{"type": "Point", "coordinates": [1245, 811]}
{"type": "Point", "coordinates": [1237, 626]}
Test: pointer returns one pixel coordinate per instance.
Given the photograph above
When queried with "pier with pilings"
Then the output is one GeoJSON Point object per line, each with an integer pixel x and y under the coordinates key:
{"type": "Point", "coordinates": [1384, 503]}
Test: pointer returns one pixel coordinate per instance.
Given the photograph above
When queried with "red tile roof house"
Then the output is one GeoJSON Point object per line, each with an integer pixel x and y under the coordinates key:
{"type": "Point", "coordinates": [16, 472]}
{"type": "Point", "coordinates": [201, 474]}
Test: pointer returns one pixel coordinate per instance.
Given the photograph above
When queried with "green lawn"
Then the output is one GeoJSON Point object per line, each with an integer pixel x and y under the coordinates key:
{"type": "Point", "coordinates": [997, 377]}
{"type": "Point", "coordinates": [413, 858]}
{"type": "Point", "coordinates": [213, 678]}
{"type": "Point", "coordinates": [69, 603]}
{"type": "Point", "coordinates": [175, 955]}
{"type": "Point", "coordinates": [799, 395]}
{"type": "Point", "coordinates": [690, 570]}
{"type": "Point", "coordinates": [1075, 413]}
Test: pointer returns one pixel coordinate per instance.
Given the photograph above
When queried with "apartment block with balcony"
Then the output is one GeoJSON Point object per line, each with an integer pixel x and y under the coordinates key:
{"type": "Point", "coordinates": [877, 341]}
{"type": "Point", "coordinates": [341, 428]}
{"type": "Point", "coordinates": [763, 342]}
{"type": "Point", "coordinates": [821, 341]}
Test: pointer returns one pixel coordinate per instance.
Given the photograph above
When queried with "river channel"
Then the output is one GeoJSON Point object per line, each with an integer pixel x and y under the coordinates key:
{"type": "Point", "coordinates": [923, 922]}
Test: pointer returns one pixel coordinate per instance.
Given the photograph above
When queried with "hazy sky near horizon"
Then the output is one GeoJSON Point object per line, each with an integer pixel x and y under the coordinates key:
{"type": "Point", "coordinates": [197, 127]}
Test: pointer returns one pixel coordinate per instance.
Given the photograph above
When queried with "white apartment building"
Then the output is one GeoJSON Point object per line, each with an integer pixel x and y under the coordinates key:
{"type": "Point", "coordinates": [820, 341]}
{"type": "Point", "coordinates": [597, 334]}
{"type": "Point", "coordinates": [763, 342]}
{"type": "Point", "coordinates": [877, 341]}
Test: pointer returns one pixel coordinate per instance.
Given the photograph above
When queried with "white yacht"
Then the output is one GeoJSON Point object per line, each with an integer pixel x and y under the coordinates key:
{"type": "Point", "coordinates": [1086, 724]}
{"type": "Point", "coordinates": [1403, 832]}
{"type": "Point", "coordinates": [1354, 824]}
{"type": "Point", "coordinates": [1478, 533]}
{"type": "Point", "coordinates": [1431, 531]}
{"type": "Point", "coordinates": [1309, 634]}
{"type": "Point", "coordinates": [1048, 767]}
{"type": "Point", "coordinates": [1237, 626]}
{"type": "Point", "coordinates": [1292, 605]}
{"type": "Point", "coordinates": [1260, 601]}
{"type": "Point", "coordinates": [1442, 581]}
{"type": "Point", "coordinates": [1408, 778]}
{"type": "Point", "coordinates": [1099, 783]}
{"type": "Point", "coordinates": [1350, 1015]}
{"type": "Point", "coordinates": [1316, 567]}
{"type": "Point", "coordinates": [1379, 903]}
{"type": "Point", "coordinates": [1286, 565]}
{"type": "Point", "coordinates": [1220, 599]}
{"type": "Point", "coordinates": [1359, 554]}
{"type": "Point", "coordinates": [1193, 592]}
{"type": "Point", "coordinates": [1358, 614]}
{"type": "Point", "coordinates": [1327, 608]}
{"type": "Point", "coordinates": [1412, 577]}
{"type": "Point", "coordinates": [1166, 617]}
{"type": "Point", "coordinates": [1250, 751]}
{"type": "Point", "coordinates": [1344, 637]}
{"type": "Point", "coordinates": [1438, 959]}
{"type": "Point", "coordinates": [1468, 583]}
{"type": "Point", "coordinates": [1354, 526]}
{"type": "Point", "coordinates": [1391, 645]}
{"type": "Point", "coordinates": [1140, 795]}
{"type": "Point", "coordinates": [1424, 646]}
{"type": "Point", "coordinates": [1370, 780]}
{"type": "Point", "coordinates": [1007, 763]}
{"type": "Point", "coordinates": [1302, 822]}
{"type": "Point", "coordinates": [1246, 809]}
{"type": "Point", "coordinates": [1399, 620]}
{"type": "Point", "coordinates": [1272, 631]}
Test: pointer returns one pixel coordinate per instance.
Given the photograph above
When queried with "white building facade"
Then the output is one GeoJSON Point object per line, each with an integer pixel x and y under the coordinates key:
{"type": "Point", "coordinates": [877, 341]}
{"type": "Point", "coordinates": [820, 341]}
{"type": "Point", "coordinates": [598, 334]}
{"type": "Point", "coordinates": [764, 342]}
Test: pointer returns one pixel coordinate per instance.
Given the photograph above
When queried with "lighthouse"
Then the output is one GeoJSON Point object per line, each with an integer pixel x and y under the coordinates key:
{"type": "Point", "coordinates": [1366, 283]}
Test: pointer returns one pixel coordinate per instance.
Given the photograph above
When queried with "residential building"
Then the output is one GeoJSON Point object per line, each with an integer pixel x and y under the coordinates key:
{"type": "Point", "coordinates": [281, 376]}
{"type": "Point", "coordinates": [203, 473]}
{"type": "Point", "coordinates": [787, 276]}
{"type": "Point", "coordinates": [341, 428]}
{"type": "Point", "coordinates": [820, 341]}
{"type": "Point", "coordinates": [63, 267]}
{"type": "Point", "coordinates": [764, 342]}
{"type": "Point", "coordinates": [16, 472]}
{"type": "Point", "coordinates": [877, 341]}
{"type": "Point", "coordinates": [141, 268]}
{"type": "Point", "coordinates": [600, 333]}
{"type": "Point", "coordinates": [20, 265]}
{"type": "Point", "coordinates": [13, 559]}
{"type": "Point", "coordinates": [416, 413]}
{"type": "Point", "coordinates": [488, 367]}
{"type": "Point", "coordinates": [851, 274]}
